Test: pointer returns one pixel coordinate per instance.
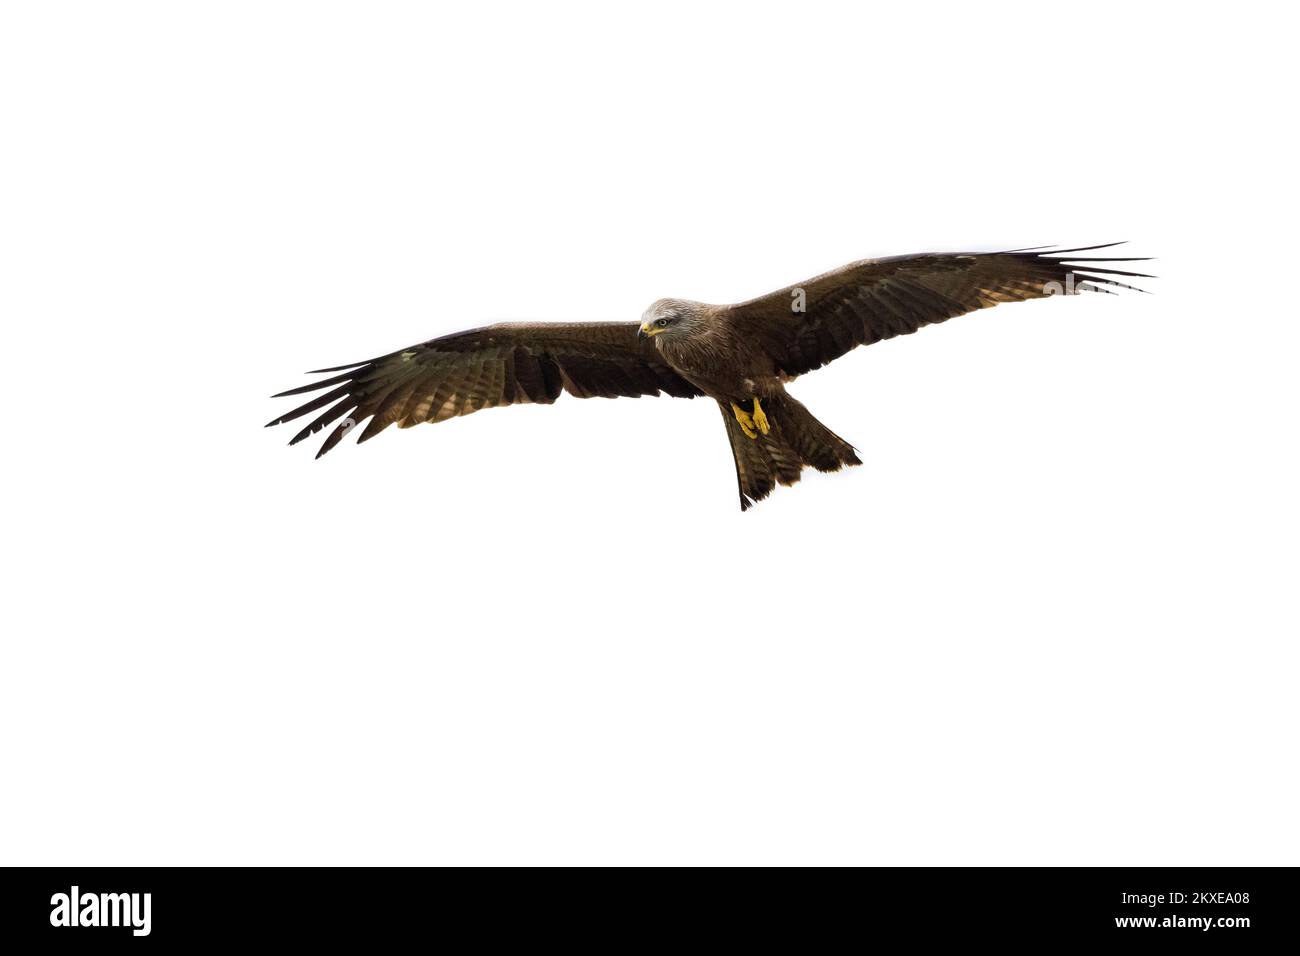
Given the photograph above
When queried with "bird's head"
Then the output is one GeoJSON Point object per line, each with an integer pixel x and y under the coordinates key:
{"type": "Point", "coordinates": [671, 317]}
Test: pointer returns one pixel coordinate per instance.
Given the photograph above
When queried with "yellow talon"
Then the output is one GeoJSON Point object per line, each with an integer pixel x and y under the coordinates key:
{"type": "Point", "coordinates": [760, 419]}
{"type": "Point", "coordinates": [746, 423]}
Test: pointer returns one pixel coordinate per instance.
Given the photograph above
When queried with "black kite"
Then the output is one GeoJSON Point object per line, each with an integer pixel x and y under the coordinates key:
{"type": "Point", "coordinates": [739, 355]}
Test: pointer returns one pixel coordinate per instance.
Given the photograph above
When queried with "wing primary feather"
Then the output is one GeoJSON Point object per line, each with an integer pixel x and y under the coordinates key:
{"type": "Point", "coordinates": [340, 368]}
{"type": "Point", "coordinates": [334, 438]}
{"type": "Point", "coordinates": [1110, 282]}
{"type": "Point", "coordinates": [1114, 272]}
{"type": "Point", "coordinates": [1047, 257]}
{"type": "Point", "coordinates": [311, 406]}
{"type": "Point", "coordinates": [335, 412]}
{"type": "Point", "coordinates": [1104, 245]}
{"type": "Point", "coordinates": [315, 386]}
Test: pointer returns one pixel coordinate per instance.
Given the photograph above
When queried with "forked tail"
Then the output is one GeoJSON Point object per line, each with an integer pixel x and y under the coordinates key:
{"type": "Point", "coordinates": [795, 440]}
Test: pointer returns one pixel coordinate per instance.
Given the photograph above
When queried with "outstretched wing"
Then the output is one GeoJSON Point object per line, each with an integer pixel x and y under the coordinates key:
{"type": "Point", "coordinates": [876, 299]}
{"type": "Point", "coordinates": [497, 365]}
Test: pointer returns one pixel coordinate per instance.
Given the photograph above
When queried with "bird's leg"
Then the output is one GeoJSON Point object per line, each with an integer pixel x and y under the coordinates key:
{"type": "Point", "coordinates": [760, 419]}
{"type": "Point", "coordinates": [746, 423]}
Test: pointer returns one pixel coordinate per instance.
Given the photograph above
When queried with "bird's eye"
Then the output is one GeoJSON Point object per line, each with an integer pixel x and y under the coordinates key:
{"type": "Point", "coordinates": [662, 323]}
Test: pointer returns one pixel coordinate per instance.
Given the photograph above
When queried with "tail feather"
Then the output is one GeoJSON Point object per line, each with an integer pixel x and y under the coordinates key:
{"type": "Point", "coordinates": [795, 441]}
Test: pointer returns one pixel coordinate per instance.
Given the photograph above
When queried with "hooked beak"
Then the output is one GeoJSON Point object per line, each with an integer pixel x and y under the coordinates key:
{"type": "Point", "coordinates": [647, 331]}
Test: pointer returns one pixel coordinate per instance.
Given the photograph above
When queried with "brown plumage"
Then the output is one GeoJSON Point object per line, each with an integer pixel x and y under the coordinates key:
{"type": "Point", "coordinates": [740, 355]}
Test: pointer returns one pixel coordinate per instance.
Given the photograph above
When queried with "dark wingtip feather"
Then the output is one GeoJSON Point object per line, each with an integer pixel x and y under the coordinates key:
{"type": "Point", "coordinates": [341, 368]}
{"type": "Point", "coordinates": [1112, 272]}
{"type": "Point", "coordinates": [335, 437]}
{"type": "Point", "coordinates": [1087, 271]}
{"type": "Point", "coordinates": [1048, 255]}
{"type": "Point", "coordinates": [1096, 281]}
{"type": "Point", "coordinates": [331, 414]}
{"type": "Point", "coordinates": [314, 386]}
{"type": "Point", "coordinates": [1104, 245]}
{"type": "Point", "coordinates": [318, 402]}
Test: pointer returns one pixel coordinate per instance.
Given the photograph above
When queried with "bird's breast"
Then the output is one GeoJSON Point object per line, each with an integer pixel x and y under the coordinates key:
{"type": "Point", "coordinates": [687, 357]}
{"type": "Point", "coordinates": [708, 369]}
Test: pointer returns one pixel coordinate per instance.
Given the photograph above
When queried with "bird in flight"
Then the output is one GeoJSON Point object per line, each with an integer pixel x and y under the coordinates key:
{"type": "Point", "coordinates": [741, 355]}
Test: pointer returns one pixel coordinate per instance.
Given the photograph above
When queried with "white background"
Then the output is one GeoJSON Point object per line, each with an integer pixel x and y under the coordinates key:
{"type": "Point", "coordinates": [1051, 620]}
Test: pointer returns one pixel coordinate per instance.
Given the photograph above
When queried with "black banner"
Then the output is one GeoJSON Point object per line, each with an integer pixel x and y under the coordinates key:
{"type": "Point", "coordinates": [141, 907]}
